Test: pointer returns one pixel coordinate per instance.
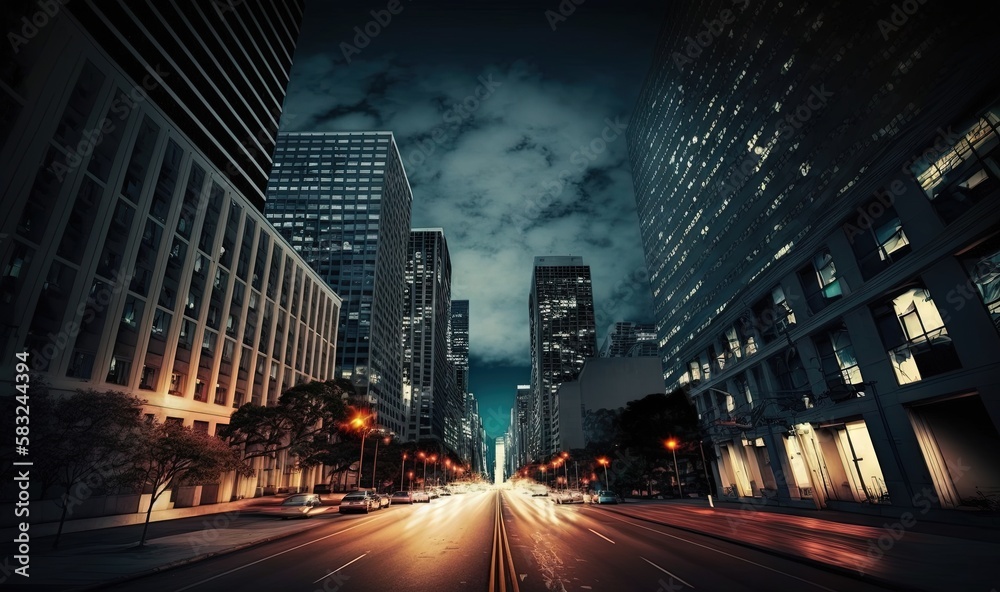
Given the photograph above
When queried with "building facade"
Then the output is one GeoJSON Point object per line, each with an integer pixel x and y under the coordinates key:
{"type": "Point", "coordinates": [458, 344]}
{"type": "Point", "coordinates": [136, 257]}
{"type": "Point", "coordinates": [817, 207]}
{"type": "Point", "coordinates": [563, 336]}
{"type": "Point", "coordinates": [343, 201]}
{"type": "Point", "coordinates": [630, 339]}
{"type": "Point", "coordinates": [434, 408]}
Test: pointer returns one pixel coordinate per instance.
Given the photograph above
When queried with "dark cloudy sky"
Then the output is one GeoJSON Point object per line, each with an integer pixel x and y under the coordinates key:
{"type": "Point", "coordinates": [512, 136]}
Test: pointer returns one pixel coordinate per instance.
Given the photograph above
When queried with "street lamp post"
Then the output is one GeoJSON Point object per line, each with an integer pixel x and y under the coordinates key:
{"type": "Point", "coordinates": [402, 470]}
{"type": "Point", "coordinates": [434, 459]}
{"type": "Point", "coordinates": [447, 465]}
{"type": "Point", "coordinates": [604, 462]}
{"type": "Point", "coordinates": [360, 423]}
{"type": "Point", "coordinates": [672, 445]}
{"type": "Point", "coordinates": [565, 464]}
{"type": "Point", "coordinates": [423, 484]}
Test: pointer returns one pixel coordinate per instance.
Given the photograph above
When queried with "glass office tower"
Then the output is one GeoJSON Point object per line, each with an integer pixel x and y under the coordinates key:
{"type": "Point", "coordinates": [563, 336]}
{"type": "Point", "coordinates": [343, 201]}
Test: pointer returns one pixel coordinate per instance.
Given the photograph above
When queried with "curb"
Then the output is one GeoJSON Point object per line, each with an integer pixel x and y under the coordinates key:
{"type": "Point", "coordinates": [182, 562]}
{"type": "Point", "coordinates": [783, 554]}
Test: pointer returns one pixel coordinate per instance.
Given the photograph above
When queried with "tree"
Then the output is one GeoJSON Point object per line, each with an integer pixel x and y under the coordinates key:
{"type": "Point", "coordinates": [305, 420]}
{"type": "Point", "coordinates": [169, 454]}
{"type": "Point", "coordinates": [86, 447]}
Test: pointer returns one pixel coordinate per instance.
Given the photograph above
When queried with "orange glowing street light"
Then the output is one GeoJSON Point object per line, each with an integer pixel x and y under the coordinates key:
{"type": "Point", "coordinates": [605, 462]}
{"type": "Point", "coordinates": [423, 484]}
{"type": "Point", "coordinates": [672, 445]}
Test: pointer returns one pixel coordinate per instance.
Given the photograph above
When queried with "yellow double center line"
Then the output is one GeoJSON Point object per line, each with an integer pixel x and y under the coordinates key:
{"type": "Point", "coordinates": [502, 565]}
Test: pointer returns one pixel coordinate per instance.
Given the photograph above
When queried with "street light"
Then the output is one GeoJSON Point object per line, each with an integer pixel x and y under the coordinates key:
{"type": "Point", "coordinates": [564, 456]}
{"type": "Point", "coordinates": [434, 459]}
{"type": "Point", "coordinates": [672, 445]}
{"type": "Point", "coordinates": [423, 484]}
{"type": "Point", "coordinates": [359, 422]}
{"type": "Point", "coordinates": [402, 470]}
{"type": "Point", "coordinates": [447, 465]}
{"type": "Point", "coordinates": [605, 462]}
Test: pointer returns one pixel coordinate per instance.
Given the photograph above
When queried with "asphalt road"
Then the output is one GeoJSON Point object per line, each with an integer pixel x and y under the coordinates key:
{"type": "Point", "coordinates": [585, 547]}
{"type": "Point", "coordinates": [444, 545]}
{"type": "Point", "coordinates": [447, 545]}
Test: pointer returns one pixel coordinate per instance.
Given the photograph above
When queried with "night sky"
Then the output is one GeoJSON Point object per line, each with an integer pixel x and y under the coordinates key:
{"type": "Point", "coordinates": [512, 137]}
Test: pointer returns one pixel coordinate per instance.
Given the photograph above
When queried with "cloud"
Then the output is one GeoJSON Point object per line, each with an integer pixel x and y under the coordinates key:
{"type": "Point", "coordinates": [535, 166]}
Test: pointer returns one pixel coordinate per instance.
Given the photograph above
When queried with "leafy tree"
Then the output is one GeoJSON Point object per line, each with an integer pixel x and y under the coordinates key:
{"type": "Point", "coordinates": [83, 443]}
{"type": "Point", "coordinates": [304, 422]}
{"type": "Point", "coordinates": [169, 454]}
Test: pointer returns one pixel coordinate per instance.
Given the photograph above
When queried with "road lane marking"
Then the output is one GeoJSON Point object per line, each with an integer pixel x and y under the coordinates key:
{"type": "Point", "coordinates": [235, 569]}
{"type": "Point", "coordinates": [602, 536]}
{"type": "Point", "coordinates": [342, 567]}
{"type": "Point", "coordinates": [666, 572]}
{"type": "Point", "coordinates": [721, 552]}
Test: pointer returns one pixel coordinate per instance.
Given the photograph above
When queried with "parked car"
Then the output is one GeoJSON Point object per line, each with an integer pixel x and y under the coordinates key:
{"type": "Point", "coordinates": [358, 501]}
{"type": "Point", "coordinates": [433, 494]}
{"type": "Point", "coordinates": [301, 505]}
{"type": "Point", "coordinates": [567, 497]}
{"type": "Point", "coordinates": [383, 500]}
{"type": "Point", "coordinates": [421, 496]}
{"type": "Point", "coordinates": [401, 497]}
{"type": "Point", "coordinates": [606, 497]}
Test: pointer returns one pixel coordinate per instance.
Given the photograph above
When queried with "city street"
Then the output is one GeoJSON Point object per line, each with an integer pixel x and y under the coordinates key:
{"type": "Point", "coordinates": [577, 546]}
{"type": "Point", "coordinates": [447, 544]}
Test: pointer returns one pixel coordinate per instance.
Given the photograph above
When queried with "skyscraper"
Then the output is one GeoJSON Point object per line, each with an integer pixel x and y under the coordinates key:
{"type": "Point", "coordinates": [136, 139]}
{"type": "Point", "coordinates": [458, 356]}
{"type": "Point", "coordinates": [629, 339]}
{"type": "Point", "coordinates": [816, 189]}
{"type": "Point", "coordinates": [343, 201]}
{"type": "Point", "coordinates": [458, 348]}
{"type": "Point", "coordinates": [430, 392]}
{"type": "Point", "coordinates": [563, 336]}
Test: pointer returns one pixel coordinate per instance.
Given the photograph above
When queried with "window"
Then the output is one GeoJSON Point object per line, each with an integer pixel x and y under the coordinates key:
{"type": "Point", "coordinates": [839, 364]}
{"type": "Point", "coordinates": [914, 335]}
{"type": "Point", "coordinates": [220, 394]}
{"type": "Point", "coordinates": [131, 313]}
{"type": "Point", "coordinates": [148, 379]}
{"type": "Point", "coordinates": [964, 174]}
{"type": "Point", "coordinates": [208, 343]}
{"type": "Point", "coordinates": [186, 337]}
{"type": "Point", "coordinates": [80, 365]}
{"type": "Point", "coordinates": [161, 324]}
{"type": "Point", "coordinates": [200, 426]}
{"type": "Point", "coordinates": [176, 384]}
{"type": "Point", "coordinates": [772, 315]}
{"type": "Point", "coordinates": [239, 399]}
{"type": "Point", "coordinates": [982, 263]}
{"type": "Point", "coordinates": [118, 371]}
{"type": "Point", "coordinates": [879, 242]}
{"type": "Point", "coordinates": [200, 391]}
{"type": "Point", "coordinates": [820, 282]}
{"type": "Point", "coordinates": [791, 374]}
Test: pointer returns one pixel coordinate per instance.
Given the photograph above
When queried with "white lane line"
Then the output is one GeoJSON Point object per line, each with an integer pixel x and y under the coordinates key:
{"type": "Point", "coordinates": [719, 551]}
{"type": "Point", "coordinates": [602, 536]}
{"type": "Point", "coordinates": [666, 572]}
{"type": "Point", "coordinates": [235, 569]}
{"type": "Point", "coordinates": [342, 567]}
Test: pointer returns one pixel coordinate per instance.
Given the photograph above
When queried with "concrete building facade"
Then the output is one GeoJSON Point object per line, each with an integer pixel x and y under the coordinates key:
{"type": "Point", "coordinates": [136, 256]}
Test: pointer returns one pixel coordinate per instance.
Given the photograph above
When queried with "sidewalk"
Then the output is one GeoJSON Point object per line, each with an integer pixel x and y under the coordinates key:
{"type": "Point", "coordinates": [905, 553]}
{"type": "Point", "coordinates": [91, 560]}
